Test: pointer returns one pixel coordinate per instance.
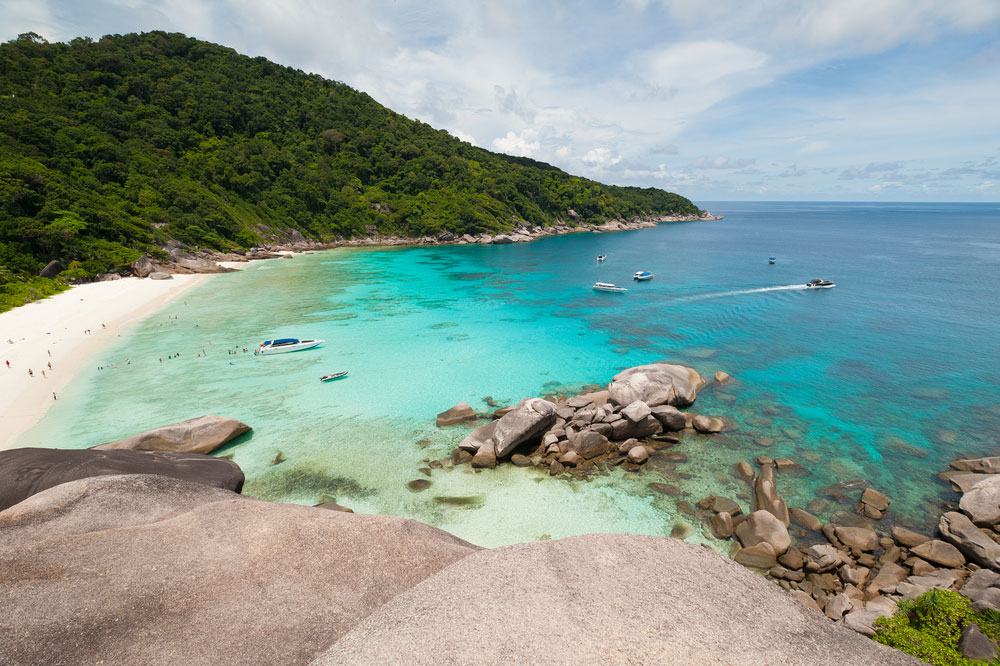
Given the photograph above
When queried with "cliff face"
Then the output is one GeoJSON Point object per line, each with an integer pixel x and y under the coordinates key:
{"type": "Point", "coordinates": [153, 570]}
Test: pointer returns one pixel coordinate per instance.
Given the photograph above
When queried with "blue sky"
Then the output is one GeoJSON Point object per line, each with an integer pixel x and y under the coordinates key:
{"type": "Point", "coordinates": [856, 100]}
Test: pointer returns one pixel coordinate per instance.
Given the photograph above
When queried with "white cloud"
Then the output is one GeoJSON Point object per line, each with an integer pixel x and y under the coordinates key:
{"type": "Point", "coordinates": [721, 162]}
{"type": "Point", "coordinates": [872, 26]}
{"type": "Point", "coordinates": [601, 157]}
{"type": "Point", "coordinates": [698, 65]}
{"type": "Point", "coordinates": [523, 143]}
{"type": "Point", "coordinates": [887, 185]}
{"type": "Point", "coordinates": [985, 185]}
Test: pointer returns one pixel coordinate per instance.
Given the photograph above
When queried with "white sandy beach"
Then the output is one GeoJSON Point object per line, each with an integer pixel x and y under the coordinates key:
{"type": "Point", "coordinates": [53, 331]}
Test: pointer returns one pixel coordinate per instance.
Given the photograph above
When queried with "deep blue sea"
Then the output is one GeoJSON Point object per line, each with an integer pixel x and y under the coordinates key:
{"type": "Point", "coordinates": [885, 377]}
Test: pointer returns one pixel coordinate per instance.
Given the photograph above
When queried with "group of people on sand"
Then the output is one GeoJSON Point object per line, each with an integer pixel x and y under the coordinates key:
{"type": "Point", "coordinates": [31, 373]}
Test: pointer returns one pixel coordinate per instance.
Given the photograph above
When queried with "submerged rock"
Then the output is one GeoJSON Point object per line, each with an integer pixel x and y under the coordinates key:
{"type": "Point", "coordinates": [460, 413]}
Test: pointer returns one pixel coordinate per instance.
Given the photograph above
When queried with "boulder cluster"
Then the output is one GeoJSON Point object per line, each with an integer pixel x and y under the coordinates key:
{"type": "Point", "coordinates": [852, 569]}
{"type": "Point", "coordinates": [592, 430]}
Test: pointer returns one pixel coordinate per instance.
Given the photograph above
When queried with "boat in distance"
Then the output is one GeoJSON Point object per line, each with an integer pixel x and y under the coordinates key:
{"type": "Point", "coordinates": [333, 375]}
{"type": "Point", "coordinates": [642, 276]}
{"type": "Point", "coordinates": [819, 284]}
{"type": "Point", "coordinates": [771, 260]}
{"type": "Point", "coordinates": [608, 286]}
{"type": "Point", "coordinates": [285, 345]}
{"type": "Point", "coordinates": [602, 257]}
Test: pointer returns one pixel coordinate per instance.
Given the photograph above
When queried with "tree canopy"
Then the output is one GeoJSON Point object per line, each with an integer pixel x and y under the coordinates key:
{"type": "Point", "coordinates": [110, 148]}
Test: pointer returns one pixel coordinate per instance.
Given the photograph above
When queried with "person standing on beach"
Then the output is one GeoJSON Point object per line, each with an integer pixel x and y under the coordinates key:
{"type": "Point", "coordinates": [53, 395]}
{"type": "Point", "coordinates": [50, 365]}
{"type": "Point", "coordinates": [8, 364]}
{"type": "Point", "coordinates": [30, 373]}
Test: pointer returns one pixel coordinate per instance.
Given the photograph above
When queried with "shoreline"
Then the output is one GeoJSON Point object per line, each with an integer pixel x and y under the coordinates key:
{"type": "Point", "coordinates": [52, 330]}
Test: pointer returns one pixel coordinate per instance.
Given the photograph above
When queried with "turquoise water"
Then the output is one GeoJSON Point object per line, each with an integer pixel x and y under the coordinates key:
{"type": "Point", "coordinates": [888, 376]}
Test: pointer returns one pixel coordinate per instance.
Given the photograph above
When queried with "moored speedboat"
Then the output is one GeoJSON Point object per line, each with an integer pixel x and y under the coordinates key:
{"type": "Point", "coordinates": [820, 284]}
{"type": "Point", "coordinates": [284, 345]}
{"type": "Point", "coordinates": [609, 287]}
{"type": "Point", "coordinates": [333, 375]}
{"type": "Point", "coordinates": [642, 276]}
{"type": "Point", "coordinates": [602, 257]}
{"type": "Point", "coordinates": [771, 260]}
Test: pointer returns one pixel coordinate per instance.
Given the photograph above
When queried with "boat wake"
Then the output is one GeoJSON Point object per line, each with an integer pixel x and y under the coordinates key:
{"type": "Point", "coordinates": [738, 292]}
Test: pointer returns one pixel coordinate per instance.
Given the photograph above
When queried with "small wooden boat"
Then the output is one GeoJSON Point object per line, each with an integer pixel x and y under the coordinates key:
{"type": "Point", "coordinates": [333, 375]}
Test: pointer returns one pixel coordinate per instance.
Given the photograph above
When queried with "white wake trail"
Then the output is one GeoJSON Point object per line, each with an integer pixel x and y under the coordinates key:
{"type": "Point", "coordinates": [721, 294]}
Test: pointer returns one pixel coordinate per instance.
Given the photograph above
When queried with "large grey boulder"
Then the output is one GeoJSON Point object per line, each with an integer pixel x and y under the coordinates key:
{"type": "Point", "coordinates": [766, 496]}
{"type": "Point", "coordinates": [976, 645]}
{"type": "Point", "coordinates": [939, 552]}
{"type": "Point", "coordinates": [762, 526]}
{"type": "Point", "coordinates": [983, 589]}
{"type": "Point", "coordinates": [26, 472]}
{"type": "Point", "coordinates": [708, 424]}
{"type": "Point", "coordinates": [52, 269]}
{"type": "Point", "coordinates": [531, 418]}
{"type": "Point", "coordinates": [203, 434]}
{"type": "Point", "coordinates": [982, 502]}
{"type": "Point", "coordinates": [695, 607]}
{"type": "Point", "coordinates": [589, 444]}
{"type": "Point", "coordinates": [149, 570]}
{"type": "Point", "coordinates": [972, 541]}
{"type": "Point", "coordinates": [671, 418]}
{"type": "Point", "coordinates": [656, 384]}
{"type": "Point", "coordinates": [481, 436]}
{"type": "Point", "coordinates": [143, 266]}
{"type": "Point", "coordinates": [861, 538]}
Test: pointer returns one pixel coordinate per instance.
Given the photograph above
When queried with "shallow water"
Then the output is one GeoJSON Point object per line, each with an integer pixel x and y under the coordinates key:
{"type": "Point", "coordinates": [887, 377]}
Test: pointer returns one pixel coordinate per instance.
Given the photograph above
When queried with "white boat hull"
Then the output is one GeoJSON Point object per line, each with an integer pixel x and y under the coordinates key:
{"type": "Point", "coordinates": [285, 349]}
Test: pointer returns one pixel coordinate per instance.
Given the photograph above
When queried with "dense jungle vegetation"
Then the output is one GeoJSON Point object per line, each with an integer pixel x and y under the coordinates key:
{"type": "Point", "coordinates": [109, 148]}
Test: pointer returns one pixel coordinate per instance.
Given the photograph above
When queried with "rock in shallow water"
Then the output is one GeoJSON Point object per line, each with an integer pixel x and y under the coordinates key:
{"type": "Point", "coordinates": [203, 434]}
{"type": "Point", "coordinates": [656, 384]}
{"type": "Point", "coordinates": [458, 414]}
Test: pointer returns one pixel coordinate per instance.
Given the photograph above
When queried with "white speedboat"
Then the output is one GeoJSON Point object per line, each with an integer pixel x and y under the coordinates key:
{"type": "Point", "coordinates": [602, 257]}
{"type": "Point", "coordinates": [819, 284]}
{"type": "Point", "coordinates": [286, 345]}
{"type": "Point", "coordinates": [607, 286]}
{"type": "Point", "coordinates": [642, 276]}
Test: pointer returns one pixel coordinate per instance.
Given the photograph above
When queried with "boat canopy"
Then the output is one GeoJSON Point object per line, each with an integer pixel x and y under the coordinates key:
{"type": "Point", "coordinates": [282, 341]}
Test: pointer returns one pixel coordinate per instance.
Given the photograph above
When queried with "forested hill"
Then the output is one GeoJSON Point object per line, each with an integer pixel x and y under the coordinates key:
{"type": "Point", "coordinates": [112, 147]}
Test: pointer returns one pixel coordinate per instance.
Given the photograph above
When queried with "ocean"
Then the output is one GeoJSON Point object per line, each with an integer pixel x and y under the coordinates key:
{"type": "Point", "coordinates": [886, 377]}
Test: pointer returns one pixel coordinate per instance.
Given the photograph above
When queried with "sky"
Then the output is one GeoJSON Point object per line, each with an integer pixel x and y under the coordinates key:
{"type": "Point", "coordinates": [794, 100]}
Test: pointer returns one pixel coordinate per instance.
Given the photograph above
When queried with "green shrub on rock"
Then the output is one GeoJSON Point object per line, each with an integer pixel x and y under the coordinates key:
{"type": "Point", "coordinates": [930, 627]}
